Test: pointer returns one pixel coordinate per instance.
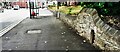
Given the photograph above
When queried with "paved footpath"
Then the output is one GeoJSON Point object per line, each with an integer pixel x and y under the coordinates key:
{"type": "Point", "coordinates": [54, 35]}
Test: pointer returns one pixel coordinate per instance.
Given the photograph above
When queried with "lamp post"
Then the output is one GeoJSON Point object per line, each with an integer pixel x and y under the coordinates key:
{"type": "Point", "coordinates": [30, 9]}
{"type": "Point", "coordinates": [36, 7]}
{"type": "Point", "coordinates": [58, 14]}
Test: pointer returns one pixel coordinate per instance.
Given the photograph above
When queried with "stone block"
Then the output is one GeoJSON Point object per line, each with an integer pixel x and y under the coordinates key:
{"type": "Point", "coordinates": [101, 25]}
{"type": "Point", "coordinates": [90, 10]}
{"type": "Point", "coordinates": [96, 19]}
{"type": "Point", "coordinates": [117, 33]}
{"type": "Point", "coordinates": [87, 11]}
{"type": "Point", "coordinates": [105, 28]}
{"type": "Point", "coordinates": [95, 16]}
{"type": "Point", "coordinates": [111, 31]}
{"type": "Point", "coordinates": [118, 40]}
{"type": "Point", "coordinates": [83, 10]}
{"type": "Point", "coordinates": [93, 12]}
{"type": "Point", "coordinates": [98, 24]}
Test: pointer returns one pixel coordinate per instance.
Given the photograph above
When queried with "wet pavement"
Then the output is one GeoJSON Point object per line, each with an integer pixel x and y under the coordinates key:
{"type": "Point", "coordinates": [54, 35]}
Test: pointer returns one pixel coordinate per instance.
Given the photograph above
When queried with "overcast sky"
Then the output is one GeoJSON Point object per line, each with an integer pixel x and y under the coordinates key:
{"type": "Point", "coordinates": [23, 0]}
{"type": "Point", "coordinates": [76, 0]}
{"type": "Point", "coordinates": [41, 0]}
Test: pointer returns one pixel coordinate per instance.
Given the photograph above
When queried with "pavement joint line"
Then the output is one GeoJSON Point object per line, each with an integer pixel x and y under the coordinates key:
{"type": "Point", "coordinates": [8, 28]}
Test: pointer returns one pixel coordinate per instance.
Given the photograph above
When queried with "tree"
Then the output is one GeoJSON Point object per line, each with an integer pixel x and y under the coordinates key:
{"type": "Point", "coordinates": [104, 8]}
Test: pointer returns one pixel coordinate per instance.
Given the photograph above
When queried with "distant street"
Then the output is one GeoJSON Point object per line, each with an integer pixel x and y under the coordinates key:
{"type": "Point", "coordinates": [12, 16]}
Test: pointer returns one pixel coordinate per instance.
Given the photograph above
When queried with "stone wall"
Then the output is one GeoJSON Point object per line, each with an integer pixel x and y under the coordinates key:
{"type": "Point", "coordinates": [106, 37]}
{"type": "Point", "coordinates": [89, 25]}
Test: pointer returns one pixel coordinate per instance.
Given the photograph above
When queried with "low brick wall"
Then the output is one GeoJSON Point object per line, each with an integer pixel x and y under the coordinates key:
{"type": "Point", "coordinates": [89, 25]}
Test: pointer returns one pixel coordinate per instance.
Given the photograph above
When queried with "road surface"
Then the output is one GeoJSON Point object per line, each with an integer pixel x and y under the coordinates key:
{"type": "Point", "coordinates": [11, 17]}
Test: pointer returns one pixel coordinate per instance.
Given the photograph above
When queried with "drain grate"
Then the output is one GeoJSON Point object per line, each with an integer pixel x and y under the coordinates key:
{"type": "Point", "coordinates": [34, 31]}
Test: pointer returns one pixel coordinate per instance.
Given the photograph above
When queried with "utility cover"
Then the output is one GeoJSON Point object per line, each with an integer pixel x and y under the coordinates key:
{"type": "Point", "coordinates": [34, 31]}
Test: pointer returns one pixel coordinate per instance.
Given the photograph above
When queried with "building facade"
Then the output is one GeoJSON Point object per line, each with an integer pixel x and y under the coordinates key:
{"type": "Point", "coordinates": [21, 3]}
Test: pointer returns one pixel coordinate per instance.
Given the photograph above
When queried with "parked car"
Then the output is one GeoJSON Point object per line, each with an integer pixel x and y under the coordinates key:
{"type": "Point", "coordinates": [16, 7]}
{"type": "Point", "coordinates": [1, 9]}
{"type": "Point", "coordinates": [9, 7]}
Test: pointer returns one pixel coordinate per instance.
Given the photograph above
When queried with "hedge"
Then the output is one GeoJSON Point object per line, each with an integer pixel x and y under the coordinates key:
{"type": "Point", "coordinates": [103, 8]}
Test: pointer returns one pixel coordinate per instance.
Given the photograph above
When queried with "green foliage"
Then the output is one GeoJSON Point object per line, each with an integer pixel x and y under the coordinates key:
{"type": "Point", "coordinates": [69, 10]}
{"type": "Point", "coordinates": [104, 8]}
{"type": "Point", "coordinates": [51, 6]}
